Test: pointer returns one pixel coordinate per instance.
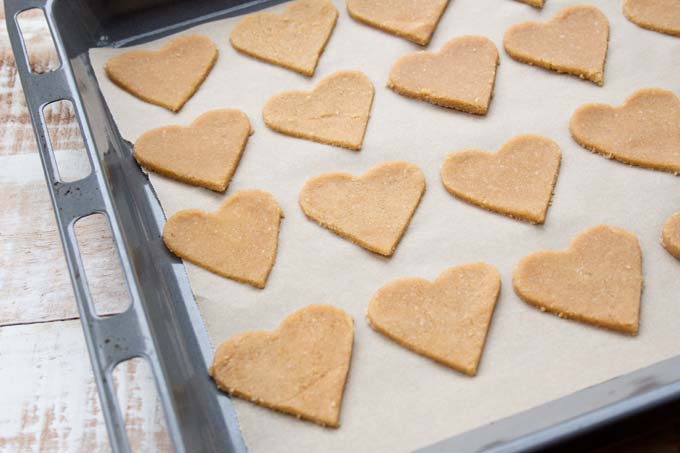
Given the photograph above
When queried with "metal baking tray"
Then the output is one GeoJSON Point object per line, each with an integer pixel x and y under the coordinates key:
{"type": "Point", "coordinates": [163, 324]}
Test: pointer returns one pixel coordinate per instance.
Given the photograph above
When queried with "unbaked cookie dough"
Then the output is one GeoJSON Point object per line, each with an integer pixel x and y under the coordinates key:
{"type": "Point", "coordinates": [517, 181]}
{"type": "Point", "coordinates": [460, 76]}
{"type": "Point", "coordinates": [239, 241]}
{"type": "Point", "coordinates": [299, 369]}
{"type": "Point", "coordinates": [372, 210]}
{"type": "Point", "coordinates": [294, 39]}
{"type": "Point", "coordinates": [167, 77]}
{"type": "Point", "coordinates": [645, 131]}
{"type": "Point", "coordinates": [534, 3]}
{"type": "Point", "coordinates": [598, 280]}
{"type": "Point", "coordinates": [574, 42]}
{"type": "Point", "coordinates": [414, 20]}
{"type": "Point", "coordinates": [205, 153]}
{"type": "Point", "coordinates": [336, 112]}
{"type": "Point", "coordinates": [658, 15]}
{"type": "Point", "coordinates": [446, 320]}
{"type": "Point", "coordinates": [671, 235]}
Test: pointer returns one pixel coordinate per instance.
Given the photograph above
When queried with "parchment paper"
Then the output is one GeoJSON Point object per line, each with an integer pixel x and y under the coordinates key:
{"type": "Point", "coordinates": [396, 400]}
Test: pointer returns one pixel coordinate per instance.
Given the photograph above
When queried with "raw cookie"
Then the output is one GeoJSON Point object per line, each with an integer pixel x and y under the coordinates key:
{"type": "Point", "coordinates": [573, 42]}
{"type": "Point", "coordinates": [238, 241]}
{"type": "Point", "coordinates": [336, 112]}
{"type": "Point", "coordinates": [460, 76]}
{"type": "Point", "coordinates": [294, 39]}
{"type": "Point", "coordinates": [204, 154]}
{"type": "Point", "coordinates": [167, 77]}
{"type": "Point", "coordinates": [598, 280]}
{"type": "Point", "coordinates": [517, 181]}
{"type": "Point", "coordinates": [658, 15]}
{"type": "Point", "coordinates": [299, 369]}
{"type": "Point", "coordinates": [645, 131]}
{"type": "Point", "coordinates": [446, 320]}
{"type": "Point", "coordinates": [671, 235]}
{"type": "Point", "coordinates": [372, 210]}
{"type": "Point", "coordinates": [534, 3]}
{"type": "Point", "coordinates": [414, 20]}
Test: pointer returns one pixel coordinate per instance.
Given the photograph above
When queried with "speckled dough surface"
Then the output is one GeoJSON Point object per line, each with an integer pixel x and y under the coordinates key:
{"type": "Point", "coordinates": [670, 237]}
{"type": "Point", "coordinates": [205, 153]}
{"type": "Point", "coordinates": [534, 3]}
{"type": "Point", "coordinates": [336, 112]}
{"type": "Point", "coordinates": [460, 76]}
{"type": "Point", "coordinates": [658, 15]}
{"type": "Point", "coordinates": [517, 181]}
{"type": "Point", "coordinates": [167, 77]}
{"type": "Point", "coordinates": [372, 210]}
{"type": "Point", "coordinates": [598, 280]}
{"type": "Point", "coordinates": [239, 241]}
{"type": "Point", "coordinates": [299, 369]}
{"type": "Point", "coordinates": [446, 320]}
{"type": "Point", "coordinates": [294, 39]}
{"type": "Point", "coordinates": [574, 42]}
{"type": "Point", "coordinates": [414, 20]}
{"type": "Point", "coordinates": [645, 131]}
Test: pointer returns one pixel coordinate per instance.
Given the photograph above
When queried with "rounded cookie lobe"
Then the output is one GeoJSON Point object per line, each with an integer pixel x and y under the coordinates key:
{"type": "Point", "coordinates": [670, 237]}
{"type": "Point", "coordinates": [598, 280]}
{"type": "Point", "coordinates": [574, 42]}
{"type": "Point", "coordinates": [446, 320]}
{"type": "Point", "coordinates": [299, 369]}
{"type": "Point", "coordinates": [238, 241]}
{"type": "Point", "coordinates": [645, 131]}
{"type": "Point", "coordinates": [205, 153]}
{"type": "Point", "coordinates": [517, 181]}
{"type": "Point", "coordinates": [293, 40]}
{"type": "Point", "coordinates": [460, 76]}
{"type": "Point", "coordinates": [657, 15]}
{"type": "Point", "coordinates": [167, 77]}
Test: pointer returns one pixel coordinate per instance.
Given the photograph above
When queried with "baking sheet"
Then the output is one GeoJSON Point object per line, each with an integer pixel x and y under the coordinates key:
{"type": "Point", "coordinates": [396, 400]}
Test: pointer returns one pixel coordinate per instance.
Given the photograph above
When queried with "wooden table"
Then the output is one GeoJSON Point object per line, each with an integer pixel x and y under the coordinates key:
{"type": "Point", "coordinates": [48, 400]}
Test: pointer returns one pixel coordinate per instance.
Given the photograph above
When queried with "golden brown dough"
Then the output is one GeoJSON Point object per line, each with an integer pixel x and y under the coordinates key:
{"type": "Point", "coordinates": [460, 76]}
{"type": "Point", "coordinates": [534, 3]}
{"type": "Point", "coordinates": [167, 77]}
{"type": "Point", "coordinates": [598, 280]}
{"type": "Point", "coordinates": [446, 320]}
{"type": "Point", "coordinates": [336, 112]}
{"type": "Point", "coordinates": [658, 15]}
{"type": "Point", "coordinates": [645, 131]}
{"type": "Point", "coordinates": [517, 181]}
{"type": "Point", "coordinates": [239, 241]}
{"type": "Point", "coordinates": [574, 42]}
{"type": "Point", "coordinates": [294, 39]}
{"type": "Point", "coordinates": [205, 154]}
{"type": "Point", "coordinates": [372, 210]}
{"type": "Point", "coordinates": [414, 20]}
{"type": "Point", "coordinates": [670, 237]}
{"type": "Point", "coordinates": [299, 369]}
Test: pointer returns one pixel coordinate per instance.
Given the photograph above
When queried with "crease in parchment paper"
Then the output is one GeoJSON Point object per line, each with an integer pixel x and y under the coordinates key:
{"type": "Point", "coordinates": [396, 400]}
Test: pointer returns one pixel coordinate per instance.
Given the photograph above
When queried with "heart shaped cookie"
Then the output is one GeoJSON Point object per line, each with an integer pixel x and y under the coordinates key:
{"type": "Point", "coordinates": [239, 241]}
{"type": "Point", "coordinates": [534, 3]}
{"type": "Point", "coordinates": [460, 76]}
{"type": "Point", "coordinates": [413, 20]}
{"type": "Point", "coordinates": [645, 131]}
{"type": "Point", "coordinates": [671, 235]}
{"type": "Point", "coordinates": [517, 181]}
{"type": "Point", "coordinates": [597, 281]}
{"type": "Point", "coordinates": [204, 154]}
{"type": "Point", "coordinates": [574, 42]}
{"type": "Point", "coordinates": [335, 113]}
{"type": "Point", "coordinates": [167, 77]}
{"type": "Point", "coordinates": [372, 210]}
{"type": "Point", "coordinates": [446, 320]}
{"type": "Point", "coordinates": [298, 369]}
{"type": "Point", "coordinates": [658, 15]}
{"type": "Point", "coordinates": [294, 39]}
